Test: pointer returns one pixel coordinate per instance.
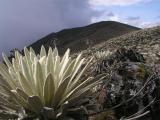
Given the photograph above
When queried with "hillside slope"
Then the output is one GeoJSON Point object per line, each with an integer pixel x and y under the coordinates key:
{"type": "Point", "coordinates": [78, 38]}
{"type": "Point", "coordinates": [146, 41]}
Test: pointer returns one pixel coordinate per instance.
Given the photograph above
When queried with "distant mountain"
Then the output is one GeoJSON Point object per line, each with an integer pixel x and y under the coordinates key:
{"type": "Point", "coordinates": [78, 38]}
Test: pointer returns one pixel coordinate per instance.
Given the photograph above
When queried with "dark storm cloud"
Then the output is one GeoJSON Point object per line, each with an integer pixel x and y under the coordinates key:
{"type": "Point", "coordinates": [24, 21]}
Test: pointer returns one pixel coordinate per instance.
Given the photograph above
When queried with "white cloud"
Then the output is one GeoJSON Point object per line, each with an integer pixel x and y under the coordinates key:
{"type": "Point", "coordinates": [106, 17]}
{"type": "Point", "coordinates": [115, 2]}
{"type": "Point", "coordinates": [102, 7]}
{"type": "Point", "coordinates": [137, 21]}
{"type": "Point", "coordinates": [133, 20]}
{"type": "Point", "coordinates": [149, 24]}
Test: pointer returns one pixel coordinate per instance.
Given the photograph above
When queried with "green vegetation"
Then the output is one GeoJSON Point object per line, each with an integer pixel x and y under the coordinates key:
{"type": "Point", "coordinates": [44, 86]}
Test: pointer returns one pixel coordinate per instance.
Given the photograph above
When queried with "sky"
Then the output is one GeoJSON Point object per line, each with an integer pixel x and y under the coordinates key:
{"type": "Point", "coordinates": [23, 22]}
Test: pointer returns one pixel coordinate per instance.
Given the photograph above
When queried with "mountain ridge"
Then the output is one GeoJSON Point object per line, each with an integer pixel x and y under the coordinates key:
{"type": "Point", "coordinates": [77, 38]}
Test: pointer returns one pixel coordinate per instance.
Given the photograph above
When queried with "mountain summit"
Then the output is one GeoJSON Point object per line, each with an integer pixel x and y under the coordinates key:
{"type": "Point", "coordinates": [81, 37]}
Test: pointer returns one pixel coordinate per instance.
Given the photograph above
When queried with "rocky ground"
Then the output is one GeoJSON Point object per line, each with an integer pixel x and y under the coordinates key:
{"type": "Point", "coordinates": [133, 88]}
{"type": "Point", "coordinates": [137, 57]}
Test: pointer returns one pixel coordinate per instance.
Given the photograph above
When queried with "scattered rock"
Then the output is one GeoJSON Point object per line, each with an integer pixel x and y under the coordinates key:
{"type": "Point", "coordinates": [129, 75]}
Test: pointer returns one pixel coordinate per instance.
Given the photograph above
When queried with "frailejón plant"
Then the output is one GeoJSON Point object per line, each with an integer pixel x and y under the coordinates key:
{"type": "Point", "coordinates": [43, 86]}
{"type": "Point", "coordinates": [102, 54]}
